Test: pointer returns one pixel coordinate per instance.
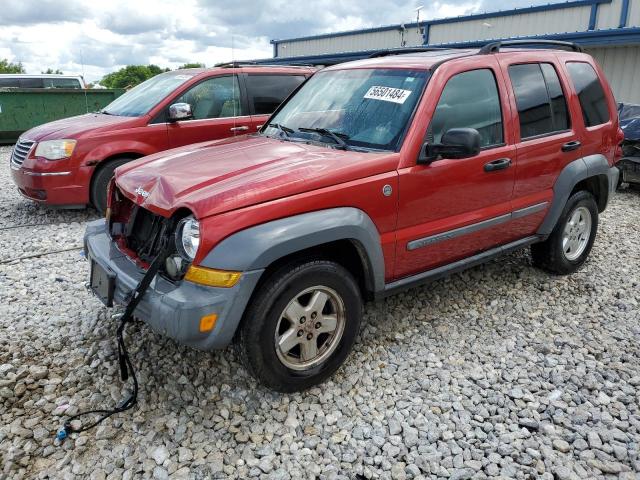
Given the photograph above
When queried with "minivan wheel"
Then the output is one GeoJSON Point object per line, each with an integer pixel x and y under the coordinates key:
{"type": "Point", "coordinates": [301, 325]}
{"type": "Point", "coordinates": [569, 245]}
{"type": "Point", "coordinates": [100, 182]}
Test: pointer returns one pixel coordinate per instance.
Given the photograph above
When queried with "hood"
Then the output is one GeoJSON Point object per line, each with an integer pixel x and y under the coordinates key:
{"type": "Point", "coordinates": [215, 177]}
{"type": "Point", "coordinates": [75, 127]}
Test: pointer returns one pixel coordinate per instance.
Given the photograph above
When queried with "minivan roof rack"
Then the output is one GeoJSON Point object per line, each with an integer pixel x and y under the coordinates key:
{"type": "Point", "coordinates": [494, 47]}
{"type": "Point", "coordinates": [401, 51]}
{"type": "Point", "coordinates": [255, 64]}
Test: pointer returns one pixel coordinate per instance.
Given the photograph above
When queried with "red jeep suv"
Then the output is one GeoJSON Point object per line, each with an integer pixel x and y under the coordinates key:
{"type": "Point", "coordinates": [376, 175]}
{"type": "Point", "coordinates": [71, 161]}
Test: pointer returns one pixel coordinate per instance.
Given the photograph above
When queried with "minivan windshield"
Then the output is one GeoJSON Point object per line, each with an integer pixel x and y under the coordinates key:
{"type": "Point", "coordinates": [368, 108]}
{"type": "Point", "coordinates": [139, 100]}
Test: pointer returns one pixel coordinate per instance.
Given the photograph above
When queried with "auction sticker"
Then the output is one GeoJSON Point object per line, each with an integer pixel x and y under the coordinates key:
{"type": "Point", "coordinates": [387, 94]}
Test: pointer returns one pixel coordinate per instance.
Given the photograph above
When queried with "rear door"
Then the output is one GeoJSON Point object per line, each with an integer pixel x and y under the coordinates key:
{"type": "Point", "coordinates": [219, 111]}
{"type": "Point", "coordinates": [266, 91]}
{"type": "Point", "coordinates": [547, 139]}
{"type": "Point", "coordinates": [453, 208]}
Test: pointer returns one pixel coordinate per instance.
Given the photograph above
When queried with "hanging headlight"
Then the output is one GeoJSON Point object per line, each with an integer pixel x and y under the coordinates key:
{"type": "Point", "coordinates": [188, 237]}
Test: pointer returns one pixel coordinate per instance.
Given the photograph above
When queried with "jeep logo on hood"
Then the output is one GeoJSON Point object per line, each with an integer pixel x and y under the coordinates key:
{"type": "Point", "coordinates": [142, 192]}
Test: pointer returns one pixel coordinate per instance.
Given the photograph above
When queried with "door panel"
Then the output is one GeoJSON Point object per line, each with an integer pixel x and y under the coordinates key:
{"type": "Point", "coordinates": [218, 112]}
{"type": "Point", "coordinates": [451, 209]}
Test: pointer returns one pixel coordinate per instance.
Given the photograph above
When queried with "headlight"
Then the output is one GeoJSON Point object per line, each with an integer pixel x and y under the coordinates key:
{"type": "Point", "coordinates": [55, 149]}
{"type": "Point", "coordinates": [188, 237]}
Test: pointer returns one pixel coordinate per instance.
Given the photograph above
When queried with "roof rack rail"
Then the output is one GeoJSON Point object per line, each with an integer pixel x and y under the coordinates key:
{"type": "Point", "coordinates": [400, 51]}
{"type": "Point", "coordinates": [255, 64]}
{"type": "Point", "coordinates": [494, 47]}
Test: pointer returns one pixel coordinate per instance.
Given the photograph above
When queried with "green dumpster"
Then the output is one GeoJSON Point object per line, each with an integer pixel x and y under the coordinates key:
{"type": "Point", "coordinates": [22, 109]}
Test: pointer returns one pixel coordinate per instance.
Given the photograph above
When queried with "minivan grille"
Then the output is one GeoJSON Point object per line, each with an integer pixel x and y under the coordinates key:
{"type": "Point", "coordinates": [20, 152]}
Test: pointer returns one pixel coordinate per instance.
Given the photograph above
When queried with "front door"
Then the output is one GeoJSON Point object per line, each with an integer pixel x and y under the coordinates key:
{"type": "Point", "coordinates": [218, 112]}
{"type": "Point", "coordinates": [451, 209]}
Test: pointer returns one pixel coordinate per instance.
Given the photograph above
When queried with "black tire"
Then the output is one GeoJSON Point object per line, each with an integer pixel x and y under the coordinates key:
{"type": "Point", "coordinates": [100, 182]}
{"type": "Point", "coordinates": [256, 342]}
{"type": "Point", "coordinates": [550, 255]}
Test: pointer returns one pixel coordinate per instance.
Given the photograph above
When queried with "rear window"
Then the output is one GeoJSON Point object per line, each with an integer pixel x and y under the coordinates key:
{"type": "Point", "coordinates": [269, 91]}
{"type": "Point", "coordinates": [542, 108]}
{"type": "Point", "coordinates": [590, 92]}
{"type": "Point", "coordinates": [62, 83]}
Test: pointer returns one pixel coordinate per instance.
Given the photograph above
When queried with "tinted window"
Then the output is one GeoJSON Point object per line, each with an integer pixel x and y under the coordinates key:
{"type": "Point", "coordinates": [558, 103]}
{"type": "Point", "coordinates": [31, 83]}
{"type": "Point", "coordinates": [9, 82]}
{"type": "Point", "coordinates": [470, 100]}
{"type": "Point", "coordinates": [218, 97]}
{"type": "Point", "coordinates": [269, 91]}
{"type": "Point", "coordinates": [590, 92]}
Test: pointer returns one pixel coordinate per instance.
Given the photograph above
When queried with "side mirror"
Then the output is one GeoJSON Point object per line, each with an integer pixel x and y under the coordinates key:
{"type": "Point", "coordinates": [456, 143]}
{"type": "Point", "coordinates": [180, 111]}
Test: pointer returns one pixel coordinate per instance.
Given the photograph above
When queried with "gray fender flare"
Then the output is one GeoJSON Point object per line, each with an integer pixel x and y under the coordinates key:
{"type": "Point", "coordinates": [257, 247]}
{"type": "Point", "coordinates": [571, 175]}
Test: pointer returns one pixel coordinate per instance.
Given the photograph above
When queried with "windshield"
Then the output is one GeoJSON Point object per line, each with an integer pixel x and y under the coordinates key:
{"type": "Point", "coordinates": [364, 107]}
{"type": "Point", "coordinates": [139, 100]}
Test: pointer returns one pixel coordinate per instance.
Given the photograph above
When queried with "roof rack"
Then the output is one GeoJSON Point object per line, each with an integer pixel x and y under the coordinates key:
{"type": "Point", "coordinates": [255, 64]}
{"type": "Point", "coordinates": [401, 51]}
{"type": "Point", "coordinates": [494, 47]}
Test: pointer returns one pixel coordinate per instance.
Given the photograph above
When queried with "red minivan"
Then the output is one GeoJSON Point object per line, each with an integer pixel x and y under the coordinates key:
{"type": "Point", "coordinates": [71, 161]}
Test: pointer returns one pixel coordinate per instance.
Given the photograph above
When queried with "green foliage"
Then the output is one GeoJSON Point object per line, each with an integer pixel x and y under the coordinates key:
{"type": "Point", "coordinates": [57, 71]}
{"type": "Point", "coordinates": [192, 65]}
{"type": "Point", "coordinates": [130, 76]}
{"type": "Point", "coordinates": [7, 67]}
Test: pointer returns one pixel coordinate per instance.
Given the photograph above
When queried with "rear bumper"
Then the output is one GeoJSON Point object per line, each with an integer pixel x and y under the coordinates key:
{"type": "Point", "coordinates": [173, 309]}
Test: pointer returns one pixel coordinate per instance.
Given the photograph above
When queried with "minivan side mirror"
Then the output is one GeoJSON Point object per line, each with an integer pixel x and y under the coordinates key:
{"type": "Point", "coordinates": [456, 143]}
{"type": "Point", "coordinates": [180, 111]}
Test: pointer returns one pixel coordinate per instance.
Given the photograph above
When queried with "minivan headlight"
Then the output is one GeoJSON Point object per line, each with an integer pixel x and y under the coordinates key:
{"type": "Point", "coordinates": [55, 149]}
{"type": "Point", "coordinates": [188, 237]}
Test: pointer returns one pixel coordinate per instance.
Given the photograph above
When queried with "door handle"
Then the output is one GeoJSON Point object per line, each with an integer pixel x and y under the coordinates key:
{"type": "Point", "coordinates": [239, 129]}
{"type": "Point", "coordinates": [499, 164]}
{"type": "Point", "coordinates": [570, 146]}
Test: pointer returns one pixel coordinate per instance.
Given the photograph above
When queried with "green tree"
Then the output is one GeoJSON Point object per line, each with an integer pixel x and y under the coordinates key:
{"type": "Point", "coordinates": [57, 71]}
{"type": "Point", "coordinates": [192, 65]}
{"type": "Point", "coordinates": [7, 67]}
{"type": "Point", "coordinates": [130, 76]}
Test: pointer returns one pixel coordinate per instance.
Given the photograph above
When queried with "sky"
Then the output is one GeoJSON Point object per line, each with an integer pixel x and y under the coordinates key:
{"type": "Point", "coordinates": [95, 38]}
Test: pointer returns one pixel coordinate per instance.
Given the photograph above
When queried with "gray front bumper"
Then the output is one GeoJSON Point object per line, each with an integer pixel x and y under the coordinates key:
{"type": "Point", "coordinates": [172, 309]}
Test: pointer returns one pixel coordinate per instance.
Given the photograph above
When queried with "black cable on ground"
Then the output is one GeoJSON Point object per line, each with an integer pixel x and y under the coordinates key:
{"type": "Point", "coordinates": [126, 367]}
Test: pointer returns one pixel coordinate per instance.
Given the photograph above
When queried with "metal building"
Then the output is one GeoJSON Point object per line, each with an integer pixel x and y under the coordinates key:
{"type": "Point", "coordinates": [607, 29]}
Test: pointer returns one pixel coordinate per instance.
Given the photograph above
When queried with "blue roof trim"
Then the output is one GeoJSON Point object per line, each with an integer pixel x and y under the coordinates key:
{"type": "Point", "coordinates": [474, 16]}
{"type": "Point", "coordinates": [610, 37]}
{"type": "Point", "coordinates": [624, 14]}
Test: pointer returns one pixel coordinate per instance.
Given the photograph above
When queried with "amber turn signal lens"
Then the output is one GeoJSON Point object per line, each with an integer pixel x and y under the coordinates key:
{"type": "Point", "coordinates": [208, 322]}
{"type": "Point", "coordinates": [212, 277]}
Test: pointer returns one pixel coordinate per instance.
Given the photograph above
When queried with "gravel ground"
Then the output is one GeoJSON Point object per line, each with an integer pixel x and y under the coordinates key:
{"type": "Point", "coordinates": [499, 371]}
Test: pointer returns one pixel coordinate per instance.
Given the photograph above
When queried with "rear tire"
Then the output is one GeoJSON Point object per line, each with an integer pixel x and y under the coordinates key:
{"type": "Point", "coordinates": [301, 325]}
{"type": "Point", "coordinates": [100, 182]}
{"type": "Point", "coordinates": [569, 245]}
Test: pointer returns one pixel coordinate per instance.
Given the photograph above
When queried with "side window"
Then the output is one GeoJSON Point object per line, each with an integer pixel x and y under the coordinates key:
{"type": "Point", "coordinates": [31, 83]}
{"type": "Point", "coordinates": [217, 97]}
{"type": "Point", "coordinates": [268, 91]}
{"type": "Point", "coordinates": [590, 92]}
{"type": "Point", "coordinates": [542, 108]}
{"type": "Point", "coordinates": [9, 82]}
{"type": "Point", "coordinates": [61, 83]}
{"type": "Point", "coordinates": [469, 100]}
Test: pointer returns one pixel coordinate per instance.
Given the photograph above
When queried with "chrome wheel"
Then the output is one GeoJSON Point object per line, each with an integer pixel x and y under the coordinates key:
{"type": "Point", "coordinates": [310, 328]}
{"type": "Point", "coordinates": [576, 233]}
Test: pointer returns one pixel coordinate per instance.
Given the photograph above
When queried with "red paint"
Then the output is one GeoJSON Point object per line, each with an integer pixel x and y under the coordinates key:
{"type": "Point", "coordinates": [233, 184]}
{"type": "Point", "coordinates": [101, 137]}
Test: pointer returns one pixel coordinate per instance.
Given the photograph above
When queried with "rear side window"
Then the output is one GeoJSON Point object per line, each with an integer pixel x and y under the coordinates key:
{"type": "Point", "coordinates": [9, 82]}
{"type": "Point", "coordinates": [469, 100]}
{"type": "Point", "coordinates": [268, 91]}
{"type": "Point", "coordinates": [542, 108]}
{"type": "Point", "coordinates": [31, 83]}
{"type": "Point", "coordinates": [590, 92]}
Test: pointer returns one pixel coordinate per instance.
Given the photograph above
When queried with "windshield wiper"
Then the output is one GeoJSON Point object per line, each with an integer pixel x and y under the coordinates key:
{"type": "Point", "coordinates": [286, 130]}
{"type": "Point", "coordinates": [337, 137]}
{"type": "Point", "coordinates": [104, 112]}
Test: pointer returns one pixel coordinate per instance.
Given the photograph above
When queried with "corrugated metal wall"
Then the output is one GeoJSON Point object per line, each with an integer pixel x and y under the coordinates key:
{"type": "Point", "coordinates": [621, 65]}
{"type": "Point", "coordinates": [349, 43]}
{"type": "Point", "coordinates": [537, 23]}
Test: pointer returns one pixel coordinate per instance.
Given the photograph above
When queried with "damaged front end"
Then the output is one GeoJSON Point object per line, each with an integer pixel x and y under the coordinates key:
{"type": "Point", "coordinates": [629, 164]}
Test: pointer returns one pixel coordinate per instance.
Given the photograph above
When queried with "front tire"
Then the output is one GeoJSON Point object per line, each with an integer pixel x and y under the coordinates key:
{"type": "Point", "coordinates": [100, 182]}
{"type": "Point", "coordinates": [569, 245]}
{"type": "Point", "coordinates": [301, 325]}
